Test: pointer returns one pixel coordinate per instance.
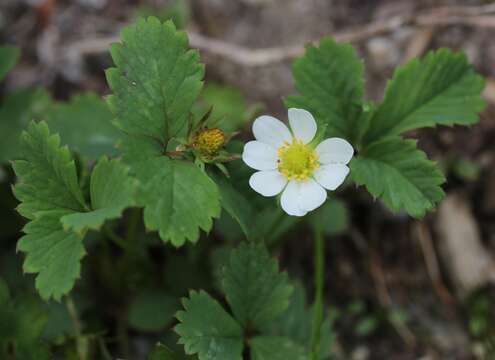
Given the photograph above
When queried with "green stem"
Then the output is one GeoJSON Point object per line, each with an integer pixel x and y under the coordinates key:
{"type": "Point", "coordinates": [81, 342]}
{"type": "Point", "coordinates": [319, 261]}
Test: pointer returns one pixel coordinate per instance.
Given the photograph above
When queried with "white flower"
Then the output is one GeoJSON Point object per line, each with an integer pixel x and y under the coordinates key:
{"type": "Point", "coordinates": [289, 163]}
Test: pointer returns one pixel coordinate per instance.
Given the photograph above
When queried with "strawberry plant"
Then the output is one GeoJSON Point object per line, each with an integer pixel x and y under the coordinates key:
{"type": "Point", "coordinates": [158, 165]}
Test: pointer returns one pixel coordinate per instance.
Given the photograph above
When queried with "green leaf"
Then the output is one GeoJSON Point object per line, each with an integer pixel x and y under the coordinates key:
{"type": "Point", "coordinates": [152, 310]}
{"type": "Point", "coordinates": [48, 189]}
{"type": "Point", "coordinates": [23, 320]}
{"type": "Point", "coordinates": [275, 348]}
{"type": "Point", "coordinates": [47, 173]}
{"type": "Point", "coordinates": [296, 324]}
{"type": "Point", "coordinates": [400, 174]}
{"type": "Point", "coordinates": [53, 253]}
{"type": "Point", "coordinates": [208, 330]}
{"type": "Point", "coordinates": [30, 319]}
{"type": "Point", "coordinates": [16, 111]}
{"type": "Point", "coordinates": [156, 81]}
{"type": "Point", "coordinates": [59, 323]}
{"type": "Point", "coordinates": [236, 205]}
{"type": "Point", "coordinates": [8, 58]}
{"type": "Point", "coordinates": [85, 125]}
{"type": "Point", "coordinates": [441, 89]}
{"type": "Point", "coordinates": [329, 79]}
{"type": "Point", "coordinates": [112, 190]}
{"type": "Point", "coordinates": [178, 198]}
{"type": "Point", "coordinates": [255, 289]}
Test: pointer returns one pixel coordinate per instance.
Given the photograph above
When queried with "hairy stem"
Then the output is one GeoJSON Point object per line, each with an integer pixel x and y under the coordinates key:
{"type": "Point", "coordinates": [319, 263]}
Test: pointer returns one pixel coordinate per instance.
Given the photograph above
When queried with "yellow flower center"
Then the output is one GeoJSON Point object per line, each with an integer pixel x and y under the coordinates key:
{"type": "Point", "coordinates": [209, 141]}
{"type": "Point", "coordinates": [297, 161]}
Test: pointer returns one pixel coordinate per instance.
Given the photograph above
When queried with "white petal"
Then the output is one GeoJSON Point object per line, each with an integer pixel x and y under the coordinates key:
{"type": "Point", "coordinates": [271, 131]}
{"type": "Point", "coordinates": [331, 176]}
{"type": "Point", "coordinates": [335, 151]}
{"type": "Point", "coordinates": [290, 199]}
{"type": "Point", "coordinates": [260, 156]}
{"type": "Point", "coordinates": [311, 195]}
{"type": "Point", "coordinates": [268, 183]}
{"type": "Point", "coordinates": [303, 125]}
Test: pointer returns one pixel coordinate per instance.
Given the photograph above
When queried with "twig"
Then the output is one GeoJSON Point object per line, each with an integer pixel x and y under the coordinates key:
{"type": "Point", "coordinates": [432, 267]}
{"type": "Point", "coordinates": [476, 16]}
{"type": "Point", "coordinates": [385, 300]}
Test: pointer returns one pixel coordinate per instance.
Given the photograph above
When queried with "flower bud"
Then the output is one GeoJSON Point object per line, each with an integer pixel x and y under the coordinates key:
{"type": "Point", "coordinates": [209, 141]}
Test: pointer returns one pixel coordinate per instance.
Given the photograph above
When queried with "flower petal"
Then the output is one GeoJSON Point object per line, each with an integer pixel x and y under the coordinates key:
{"type": "Point", "coordinates": [260, 156]}
{"type": "Point", "coordinates": [290, 199]}
{"type": "Point", "coordinates": [331, 176]}
{"type": "Point", "coordinates": [303, 124]}
{"type": "Point", "coordinates": [335, 151]}
{"type": "Point", "coordinates": [268, 183]}
{"type": "Point", "coordinates": [271, 131]}
{"type": "Point", "coordinates": [311, 195]}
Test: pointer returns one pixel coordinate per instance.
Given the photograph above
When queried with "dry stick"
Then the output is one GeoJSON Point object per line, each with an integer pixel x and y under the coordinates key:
{"type": "Point", "coordinates": [432, 266]}
{"type": "Point", "coordinates": [385, 300]}
{"type": "Point", "coordinates": [455, 15]}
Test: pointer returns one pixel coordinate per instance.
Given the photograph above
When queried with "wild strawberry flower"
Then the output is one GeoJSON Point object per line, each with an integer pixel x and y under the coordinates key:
{"type": "Point", "coordinates": [289, 162]}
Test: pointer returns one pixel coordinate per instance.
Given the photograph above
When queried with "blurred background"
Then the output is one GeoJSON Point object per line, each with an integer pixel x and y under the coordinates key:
{"type": "Point", "coordinates": [397, 288]}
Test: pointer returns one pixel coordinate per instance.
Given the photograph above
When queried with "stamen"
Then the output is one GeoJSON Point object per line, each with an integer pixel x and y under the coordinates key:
{"type": "Point", "coordinates": [297, 161]}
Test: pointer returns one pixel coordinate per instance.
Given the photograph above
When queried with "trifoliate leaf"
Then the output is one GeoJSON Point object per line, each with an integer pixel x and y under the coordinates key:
{"type": "Point", "coordinates": [152, 310]}
{"type": "Point", "coordinates": [208, 330]}
{"type": "Point", "coordinates": [85, 125]}
{"type": "Point", "coordinates": [48, 190]}
{"type": "Point", "coordinates": [255, 289]}
{"type": "Point", "coordinates": [8, 58]}
{"type": "Point", "coordinates": [156, 81]}
{"type": "Point", "coordinates": [275, 348]}
{"type": "Point", "coordinates": [47, 174]}
{"type": "Point", "coordinates": [400, 174]}
{"type": "Point", "coordinates": [441, 89]}
{"type": "Point", "coordinates": [329, 79]}
{"type": "Point", "coordinates": [112, 190]}
{"type": "Point", "coordinates": [16, 111]}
